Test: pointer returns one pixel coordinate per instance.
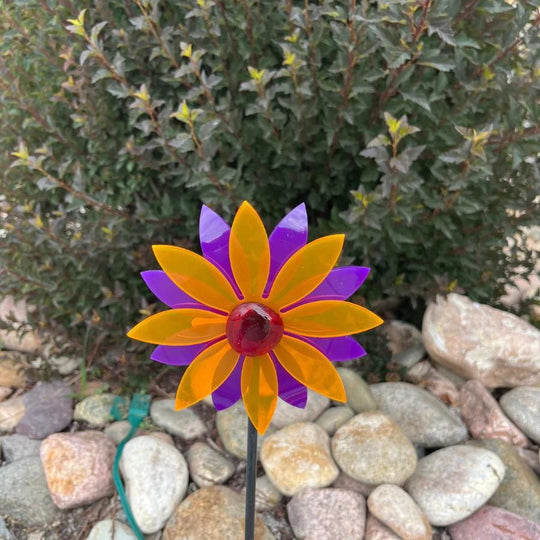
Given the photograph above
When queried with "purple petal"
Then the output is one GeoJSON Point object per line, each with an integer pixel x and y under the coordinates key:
{"type": "Point", "coordinates": [289, 236]}
{"type": "Point", "coordinates": [214, 235]}
{"type": "Point", "coordinates": [340, 284]}
{"type": "Point", "coordinates": [289, 389]}
{"type": "Point", "coordinates": [230, 391]}
{"type": "Point", "coordinates": [177, 355]}
{"type": "Point", "coordinates": [337, 349]}
{"type": "Point", "coordinates": [165, 289]}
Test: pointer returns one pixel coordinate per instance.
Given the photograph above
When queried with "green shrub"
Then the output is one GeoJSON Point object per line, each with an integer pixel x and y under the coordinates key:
{"type": "Point", "coordinates": [412, 126]}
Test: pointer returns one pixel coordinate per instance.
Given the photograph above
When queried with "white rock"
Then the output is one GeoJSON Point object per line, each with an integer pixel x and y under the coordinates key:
{"type": "Point", "coordinates": [184, 423]}
{"type": "Point", "coordinates": [286, 414]}
{"type": "Point", "coordinates": [29, 342]}
{"type": "Point", "coordinates": [156, 478]}
{"type": "Point", "coordinates": [108, 529]}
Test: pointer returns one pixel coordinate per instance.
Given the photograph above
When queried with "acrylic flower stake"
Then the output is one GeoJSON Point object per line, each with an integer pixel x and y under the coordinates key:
{"type": "Point", "coordinates": [256, 318]}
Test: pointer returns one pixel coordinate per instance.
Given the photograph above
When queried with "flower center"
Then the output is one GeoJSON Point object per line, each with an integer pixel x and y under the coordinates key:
{"type": "Point", "coordinates": [253, 329]}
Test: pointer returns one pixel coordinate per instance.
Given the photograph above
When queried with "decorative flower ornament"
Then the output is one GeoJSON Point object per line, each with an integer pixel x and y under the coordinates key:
{"type": "Point", "coordinates": [255, 317]}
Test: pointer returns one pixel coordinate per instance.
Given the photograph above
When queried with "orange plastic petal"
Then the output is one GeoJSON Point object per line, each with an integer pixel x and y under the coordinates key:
{"type": "Point", "coordinates": [259, 390]}
{"type": "Point", "coordinates": [305, 270]}
{"type": "Point", "coordinates": [180, 327]}
{"type": "Point", "coordinates": [310, 367]}
{"type": "Point", "coordinates": [196, 276]}
{"type": "Point", "coordinates": [206, 373]}
{"type": "Point", "coordinates": [329, 318]}
{"type": "Point", "coordinates": [249, 252]}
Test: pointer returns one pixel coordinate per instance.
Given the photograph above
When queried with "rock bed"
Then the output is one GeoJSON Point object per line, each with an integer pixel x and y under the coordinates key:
{"type": "Point", "coordinates": [440, 456]}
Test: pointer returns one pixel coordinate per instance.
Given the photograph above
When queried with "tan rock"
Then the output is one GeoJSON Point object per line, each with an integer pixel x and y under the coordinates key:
{"type": "Point", "coordinates": [12, 370]}
{"type": "Point", "coordinates": [16, 315]}
{"type": "Point", "coordinates": [480, 342]}
{"type": "Point", "coordinates": [298, 456]}
{"type": "Point", "coordinates": [11, 412]}
{"type": "Point", "coordinates": [78, 467]}
{"type": "Point", "coordinates": [212, 513]}
{"type": "Point", "coordinates": [483, 416]}
{"type": "Point", "coordinates": [5, 392]}
{"type": "Point", "coordinates": [426, 376]}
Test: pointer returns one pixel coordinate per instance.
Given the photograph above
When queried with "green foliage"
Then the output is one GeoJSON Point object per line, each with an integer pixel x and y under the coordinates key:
{"type": "Point", "coordinates": [411, 125]}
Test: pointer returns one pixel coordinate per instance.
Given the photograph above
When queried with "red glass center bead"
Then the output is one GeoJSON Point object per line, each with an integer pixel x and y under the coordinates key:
{"type": "Point", "coordinates": [253, 329]}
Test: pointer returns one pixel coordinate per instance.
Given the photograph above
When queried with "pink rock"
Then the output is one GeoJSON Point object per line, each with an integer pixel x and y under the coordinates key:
{"type": "Point", "coordinates": [492, 523]}
{"type": "Point", "coordinates": [425, 375]}
{"type": "Point", "coordinates": [531, 458]}
{"type": "Point", "coordinates": [78, 467]}
{"type": "Point", "coordinates": [480, 342]}
{"type": "Point", "coordinates": [375, 530]}
{"type": "Point", "coordinates": [484, 418]}
{"type": "Point", "coordinates": [344, 481]}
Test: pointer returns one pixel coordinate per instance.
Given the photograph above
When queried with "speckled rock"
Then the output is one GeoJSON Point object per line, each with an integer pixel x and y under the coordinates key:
{"type": "Point", "coordinates": [452, 483]}
{"type": "Point", "coordinates": [519, 491]}
{"type": "Point", "coordinates": [267, 496]}
{"type": "Point", "coordinates": [359, 397]}
{"type": "Point", "coordinates": [11, 412]}
{"type": "Point", "coordinates": [480, 342]}
{"type": "Point", "coordinates": [286, 414]}
{"type": "Point", "coordinates": [208, 467]}
{"type": "Point", "coordinates": [117, 431]}
{"type": "Point", "coordinates": [522, 405]}
{"type": "Point", "coordinates": [327, 514]}
{"type": "Point", "coordinates": [492, 523]}
{"type": "Point", "coordinates": [212, 513]}
{"type": "Point", "coordinates": [484, 418]}
{"type": "Point", "coordinates": [333, 418]}
{"type": "Point", "coordinates": [15, 447]}
{"type": "Point", "coordinates": [372, 448]}
{"type": "Point", "coordinates": [395, 508]}
{"type": "Point", "coordinates": [156, 477]}
{"type": "Point", "coordinates": [48, 409]}
{"type": "Point", "coordinates": [96, 410]}
{"type": "Point", "coordinates": [12, 369]}
{"type": "Point", "coordinates": [108, 529]}
{"type": "Point", "coordinates": [375, 530]}
{"type": "Point", "coordinates": [24, 495]}
{"type": "Point", "coordinates": [424, 419]}
{"type": "Point", "coordinates": [298, 456]}
{"type": "Point", "coordinates": [231, 424]}
{"type": "Point", "coordinates": [78, 467]}
{"type": "Point", "coordinates": [184, 423]}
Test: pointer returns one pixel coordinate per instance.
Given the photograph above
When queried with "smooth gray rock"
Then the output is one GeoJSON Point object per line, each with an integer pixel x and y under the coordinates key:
{"type": "Point", "coordinates": [522, 405]}
{"type": "Point", "coordinates": [405, 343]}
{"type": "Point", "coordinates": [184, 423]}
{"type": "Point", "coordinates": [424, 419]}
{"type": "Point", "coordinates": [108, 529]}
{"type": "Point", "coordinates": [96, 410]}
{"type": "Point", "coordinates": [267, 496]}
{"type": "Point", "coordinates": [333, 418]}
{"type": "Point", "coordinates": [359, 397]}
{"type": "Point", "coordinates": [24, 495]}
{"type": "Point", "coordinates": [117, 431]}
{"type": "Point", "coordinates": [286, 414]}
{"type": "Point", "coordinates": [208, 467]}
{"type": "Point", "coordinates": [15, 447]}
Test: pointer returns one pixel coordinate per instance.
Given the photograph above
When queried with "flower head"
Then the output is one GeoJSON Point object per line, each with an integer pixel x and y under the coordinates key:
{"type": "Point", "coordinates": [255, 317]}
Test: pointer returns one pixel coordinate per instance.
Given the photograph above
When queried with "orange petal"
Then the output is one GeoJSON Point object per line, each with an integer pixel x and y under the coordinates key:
{"type": "Point", "coordinates": [310, 367]}
{"type": "Point", "coordinates": [249, 252]}
{"type": "Point", "coordinates": [259, 390]}
{"type": "Point", "coordinates": [305, 270]}
{"type": "Point", "coordinates": [179, 327]}
{"type": "Point", "coordinates": [196, 276]}
{"type": "Point", "coordinates": [329, 318]}
{"type": "Point", "coordinates": [206, 373]}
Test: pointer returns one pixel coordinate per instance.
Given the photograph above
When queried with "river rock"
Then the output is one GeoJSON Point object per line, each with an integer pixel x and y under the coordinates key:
{"type": "Point", "coordinates": [484, 418]}
{"type": "Point", "coordinates": [519, 491]}
{"type": "Point", "coordinates": [24, 495]}
{"type": "Point", "coordinates": [5, 392]}
{"type": "Point", "coordinates": [480, 342]}
{"type": "Point", "coordinates": [298, 456]}
{"type": "Point", "coordinates": [231, 425]}
{"type": "Point", "coordinates": [372, 448]}
{"type": "Point", "coordinates": [452, 483]}
{"type": "Point", "coordinates": [333, 418]}
{"type": "Point", "coordinates": [15, 314]}
{"type": "Point", "coordinates": [48, 409]}
{"type": "Point", "coordinates": [65, 365]}
{"type": "Point", "coordinates": [11, 412]}
{"type": "Point", "coordinates": [359, 397]}
{"type": "Point", "coordinates": [117, 431]}
{"type": "Point", "coordinates": [5, 533]}
{"type": "Point", "coordinates": [492, 523]}
{"type": "Point", "coordinates": [423, 418]}
{"type": "Point", "coordinates": [156, 478]}
{"type": "Point", "coordinates": [96, 410]}
{"type": "Point", "coordinates": [404, 342]}
{"type": "Point", "coordinates": [12, 369]}
{"type": "Point", "coordinates": [327, 514]}
{"type": "Point", "coordinates": [344, 481]}
{"type": "Point", "coordinates": [212, 513]}
{"type": "Point", "coordinates": [434, 381]}
{"type": "Point", "coordinates": [395, 508]}
{"type": "Point", "coordinates": [108, 529]}
{"type": "Point", "coordinates": [78, 467]}
{"type": "Point", "coordinates": [208, 467]}
{"type": "Point", "coordinates": [375, 530]}
{"type": "Point", "coordinates": [522, 405]}
{"type": "Point", "coordinates": [286, 414]}
{"type": "Point", "coordinates": [267, 496]}
{"type": "Point", "coordinates": [184, 423]}
{"type": "Point", "coordinates": [15, 447]}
